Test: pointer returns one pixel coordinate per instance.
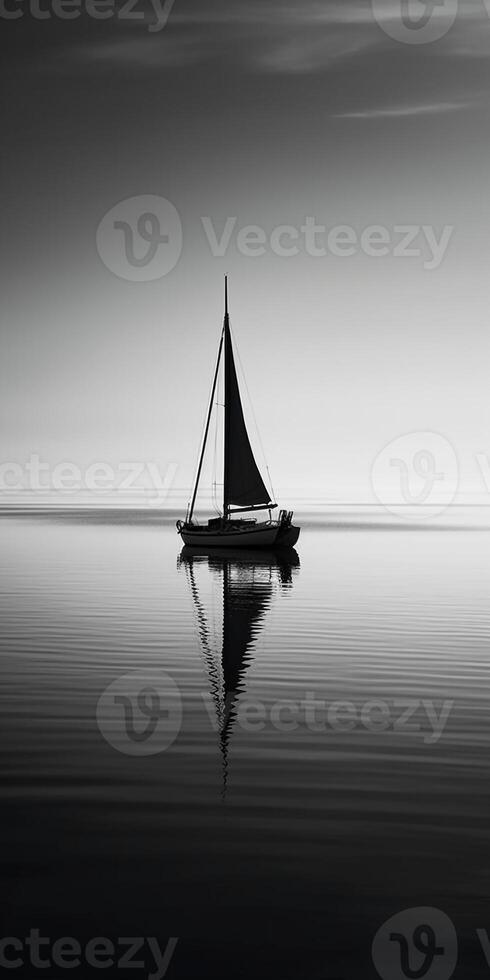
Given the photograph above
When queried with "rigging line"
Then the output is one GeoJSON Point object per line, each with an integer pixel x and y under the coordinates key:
{"type": "Point", "coordinates": [198, 454]}
{"type": "Point", "coordinates": [257, 430]}
{"type": "Point", "coordinates": [206, 428]}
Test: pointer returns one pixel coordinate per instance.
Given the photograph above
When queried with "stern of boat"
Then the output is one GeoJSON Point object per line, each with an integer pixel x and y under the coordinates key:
{"type": "Point", "coordinates": [287, 533]}
{"type": "Point", "coordinates": [287, 537]}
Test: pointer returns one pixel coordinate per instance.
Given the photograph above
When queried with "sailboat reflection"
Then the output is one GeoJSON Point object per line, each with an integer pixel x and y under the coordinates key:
{"type": "Point", "coordinates": [249, 580]}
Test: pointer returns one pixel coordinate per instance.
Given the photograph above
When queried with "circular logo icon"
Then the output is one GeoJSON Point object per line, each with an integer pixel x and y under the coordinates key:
{"type": "Point", "coordinates": [416, 475]}
{"type": "Point", "coordinates": [416, 943]}
{"type": "Point", "coordinates": [415, 21]}
{"type": "Point", "coordinates": [140, 239]}
{"type": "Point", "coordinates": [140, 713]}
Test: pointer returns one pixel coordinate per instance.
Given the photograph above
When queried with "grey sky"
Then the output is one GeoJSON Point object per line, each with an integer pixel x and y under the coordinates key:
{"type": "Point", "coordinates": [267, 112]}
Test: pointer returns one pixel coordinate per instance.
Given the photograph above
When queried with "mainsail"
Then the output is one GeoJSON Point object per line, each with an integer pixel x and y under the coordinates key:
{"type": "Point", "coordinates": [243, 484]}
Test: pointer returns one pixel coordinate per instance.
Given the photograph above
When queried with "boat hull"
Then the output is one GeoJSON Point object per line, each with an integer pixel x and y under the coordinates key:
{"type": "Point", "coordinates": [251, 536]}
{"type": "Point", "coordinates": [257, 536]}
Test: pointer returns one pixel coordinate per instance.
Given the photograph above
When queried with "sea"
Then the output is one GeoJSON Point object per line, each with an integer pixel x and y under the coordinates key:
{"type": "Point", "coordinates": [270, 765]}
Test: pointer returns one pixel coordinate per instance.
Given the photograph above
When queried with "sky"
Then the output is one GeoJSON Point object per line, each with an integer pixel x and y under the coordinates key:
{"type": "Point", "coordinates": [246, 118]}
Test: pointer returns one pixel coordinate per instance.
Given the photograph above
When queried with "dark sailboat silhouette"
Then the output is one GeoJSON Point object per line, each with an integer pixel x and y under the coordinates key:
{"type": "Point", "coordinates": [243, 486]}
{"type": "Point", "coordinates": [250, 579]}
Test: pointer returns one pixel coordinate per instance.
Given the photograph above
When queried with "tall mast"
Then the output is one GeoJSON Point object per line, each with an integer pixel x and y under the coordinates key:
{"type": "Point", "coordinates": [226, 400]}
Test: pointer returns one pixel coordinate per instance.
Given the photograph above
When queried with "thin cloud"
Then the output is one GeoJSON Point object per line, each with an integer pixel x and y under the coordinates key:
{"type": "Point", "coordinates": [397, 112]}
{"type": "Point", "coordinates": [287, 13]}
{"type": "Point", "coordinates": [311, 55]}
{"type": "Point", "coordinates": [143, 52]}
{"type": "Point", "coordinates": [287, 38]}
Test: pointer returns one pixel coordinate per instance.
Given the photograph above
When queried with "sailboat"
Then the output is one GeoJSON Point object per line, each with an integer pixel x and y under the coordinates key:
{"type": "Point", "coordinates": [244, 490]}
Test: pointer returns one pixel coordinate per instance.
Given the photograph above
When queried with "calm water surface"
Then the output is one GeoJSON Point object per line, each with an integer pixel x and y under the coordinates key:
{"type": "Point", "coordinates": [330, 768]}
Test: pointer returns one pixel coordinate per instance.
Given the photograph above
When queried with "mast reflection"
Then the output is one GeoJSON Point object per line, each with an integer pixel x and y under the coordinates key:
{"type": "Point", "coordinates": [247, 581]}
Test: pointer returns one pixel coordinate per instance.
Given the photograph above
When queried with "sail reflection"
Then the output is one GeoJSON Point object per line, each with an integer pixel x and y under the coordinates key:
{"type": "Point", "coordinates": [232, 591]}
